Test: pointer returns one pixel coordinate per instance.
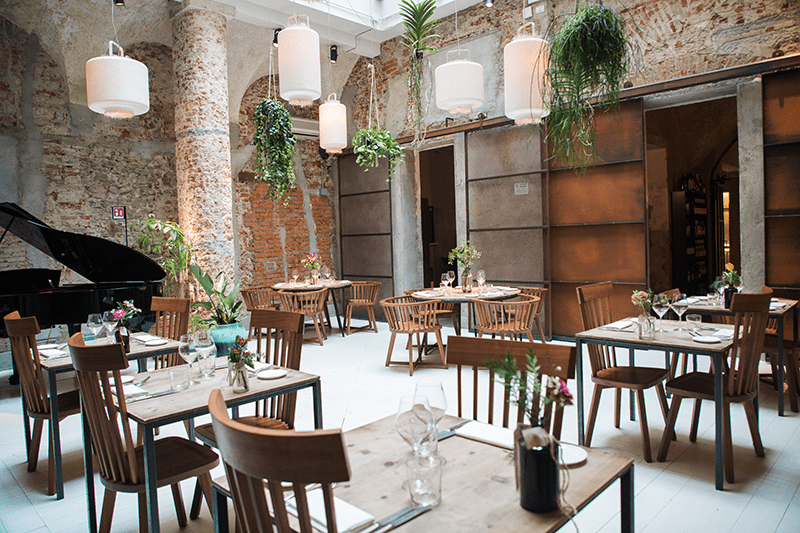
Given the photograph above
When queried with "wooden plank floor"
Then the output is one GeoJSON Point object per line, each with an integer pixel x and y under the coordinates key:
{"type": "Point", "coordinates": [674, 496]}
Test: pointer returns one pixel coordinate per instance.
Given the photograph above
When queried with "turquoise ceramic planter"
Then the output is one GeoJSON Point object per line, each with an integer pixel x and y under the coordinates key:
{"type": "Point", "coordinates": [225, 337]}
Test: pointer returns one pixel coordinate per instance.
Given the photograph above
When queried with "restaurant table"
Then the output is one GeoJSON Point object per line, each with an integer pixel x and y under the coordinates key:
{"type": "Point", "coordinates": [779, 307]}
{"type": "Point", "coordinates": [675, 341]}
{"type": "Point", "coordinates": [188, 404]}
{"type": "Point", "coordinates": [457, 296]}
{"type": "Point", "coordinates": [52, 367]}
{"type": "Point", "coordinates": [478, 484]}
{"type": "Point", "coordinates": [337, 284]}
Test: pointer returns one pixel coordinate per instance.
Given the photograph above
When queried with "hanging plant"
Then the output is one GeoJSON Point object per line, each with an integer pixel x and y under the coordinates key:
{"type": "Point", "coordinates": [419, 23]}
{"type": "Point", "coordinates": [371, 144]}
{"type": "Point", "coordinates": [274, 142]}
{"type": "Point", "coordinates": [588, 59]}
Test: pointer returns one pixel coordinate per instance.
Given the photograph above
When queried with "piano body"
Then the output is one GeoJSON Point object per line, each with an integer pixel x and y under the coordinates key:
{"type": "Point", "coordinates": [116, 273]}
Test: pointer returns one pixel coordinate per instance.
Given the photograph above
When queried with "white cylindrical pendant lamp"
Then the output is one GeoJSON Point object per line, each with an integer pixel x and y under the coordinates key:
{"type": "Point", "coordinates": [332, 125]}
{"type": "Point", "coordinates": [117, 86]}
{"type": "Point", "coordinates": [298, 62]}
{"type": "Point", "coordinates": [525, 62]}
{"type": "Point", "coordinates": [459, 84]}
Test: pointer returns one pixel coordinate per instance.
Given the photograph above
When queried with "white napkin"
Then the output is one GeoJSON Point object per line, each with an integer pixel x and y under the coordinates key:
{"type": "Point", "coordinates": [146, 337]}
{"type": "Point", "coordinates": [494, 435]}
{"type": "Point", "coordinates": [349, 518]}
{"type": "Point", "coordinates": [626, 324]}
{"type": "Point", "coordinates": [694, 299]}
{"type": "Point", "coordinates": [52, 354]}
{"type": "Point", "coordinates": [777, 305]}
{"type": "Point", "coordinates": [130, 390]}
{"type": "Point", "coordinates": [723, 334]}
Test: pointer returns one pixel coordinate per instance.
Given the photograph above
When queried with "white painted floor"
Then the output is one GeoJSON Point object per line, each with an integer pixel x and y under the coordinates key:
{"type": "Point", "coordinates": [357, 388]}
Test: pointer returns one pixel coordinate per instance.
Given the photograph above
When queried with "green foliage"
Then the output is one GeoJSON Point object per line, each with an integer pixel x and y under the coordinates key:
{"type": "Point", "coordinates": [588, 59]}
{"type": "Point", "coordinates": [274, 142]}
{"type": "Point", "coordinates": [525, 391]}
{"type": "Point", "coordinates": [170, 244]}
{"type": "Point", "coordinates": [465, 255]}
{"type": "Point", "coordinates": [222, 303]}
{"type": "Point", "coordinates": [371, 144]}
{"type": "Point", "coordinates": [419, 23]}
{"type": "Point", "coordinates": [239, 353]}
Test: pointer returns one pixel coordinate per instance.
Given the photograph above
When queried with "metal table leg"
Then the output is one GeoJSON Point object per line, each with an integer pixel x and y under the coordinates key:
{"type": "Point", "coordinates": [317, 391]}
{"type": "Point", "coordinates": [579, 387]}
{"type": "Point", "coordinates": [220, 508]}
{"type": "Point", "coordinates": [336, 310]}
{"type": "Point", "coordinates": [780, 367]}
{"type": "Point", "coordinates": [150, 479]}
{"type": "Point", "coordinates": [88, 470]}
{"type": "Point", "coordinates": [718, 421]}
{"type": "Point", "coordinates": [55, 435]}
{"type": "Point", "coordinates": [631, 394]}
{"type": "Point", "coordinates": [626, 501]}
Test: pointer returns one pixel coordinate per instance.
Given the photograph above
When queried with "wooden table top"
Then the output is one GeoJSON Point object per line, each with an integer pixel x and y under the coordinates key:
{"type": "Point", "coordinates": [138, 351]}
{"type": "Point", "coordinates": [322, 284]}
{"type": "Point", "coordinates": [478, 486]}
{"type": "Point", "coordinates": [679, 340]}
{"type": "Point", "coordinates": [699, 304]}
{"type": "Point", "coordinates": [455, 295]}
{"type": "Point", "coordinates": [194, 400]}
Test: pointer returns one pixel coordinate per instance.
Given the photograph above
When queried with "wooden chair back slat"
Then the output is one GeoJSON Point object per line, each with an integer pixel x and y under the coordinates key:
{"type": "Point", "coordinates": [595, 304]}
{"type": "Point", "coordinates": [554, 360]}
{"type": "Point", "coordinates": [22, 334]}
{"type": "Point", "coordinates": [507, 317]}
{"type": "Point", "coordinates": [541, 293]}
{"type": "Point", "coordinates": [92, 366]}
{"type": "Point", "coordinates": [364, 292]}
{"type": "Point", "coordinates": [305, 302]}
{"type": "Point", "coordinates": [252, 455]}
{"type": "Point", "coordinates": [750, 324]}
{"type": "Point", "coordinates": [404, 314]}
{"type": "Point", "coordinates": [172, 321]}
{"type": "Point", "coordinates": [260, 297]}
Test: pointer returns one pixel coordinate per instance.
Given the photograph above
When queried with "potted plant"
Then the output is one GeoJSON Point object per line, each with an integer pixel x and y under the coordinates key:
{"type": "Point", "coordinates": [535, 449]}
{"type": "Point", "coordinates": [274, 142]}
{"type": "Point", "coordinates": [223, 306]}
{"type": "Point", "coordinates": [371, 144]}
{"type": "Point", "coordinates": [728, 282]}
{"type": "Point", "coordinates": [172, 247]}
{"type": "Point", "coordinates": [418, 21]}
{"type": "Point", "coordinates": [588, 60]}
{"type": "Point", "coordinates": [464, 256]}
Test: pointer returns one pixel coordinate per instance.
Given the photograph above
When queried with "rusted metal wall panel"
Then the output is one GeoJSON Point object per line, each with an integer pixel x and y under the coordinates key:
{"type": "Point", "coordinates": [366, 213]}
{"type": "Point", "coordinates": [503, 152]}
{"type": "Point", "coordinates": [514, 201]}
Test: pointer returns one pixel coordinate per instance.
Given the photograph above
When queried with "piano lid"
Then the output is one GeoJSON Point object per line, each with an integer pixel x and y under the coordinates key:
{"type": "Point", "coordinates": [97, 259]}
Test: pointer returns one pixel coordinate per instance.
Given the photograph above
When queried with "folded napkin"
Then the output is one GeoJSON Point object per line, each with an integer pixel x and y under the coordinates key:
{"type": "Point", "coordinates": [146, 337]}
{"type": "Point", "coordinates": [723, 334]}
{"type": "Point", "coordinates": [695, 299]}
{"type": "Point", "coordinates": [494, 435]}
{"type": "Point", "coordinates": [349, 518]}
{"type": "Point", "coordinates": [130, 390]}
{"type": "Point", "coordinates": [52, 354]}
{"type": "Point", "coordinates": [626, 324]}
{"type": "Point", "coordinates": [777, 305]}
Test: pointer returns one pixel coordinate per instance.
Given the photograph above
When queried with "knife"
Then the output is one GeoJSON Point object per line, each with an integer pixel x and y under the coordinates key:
{"type": "Point", "coordinates": [404, 518]}
{"type": "Point", "coordinates": [150, 395]}
{"type": "Point", "coordinates": [445, 433]}
{"type": "Point", "coordinates": [389, 519]}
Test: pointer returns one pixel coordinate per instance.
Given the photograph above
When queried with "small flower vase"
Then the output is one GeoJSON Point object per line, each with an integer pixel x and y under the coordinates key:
{"type": "Point", "coordinates": [467, 284]}
{"type": "Point", "coordinates": [647, 327]}
{"type": "Point", "coordinates": [238, 377]}
{"type": "Point", "coordinates": [537, 471]}
{"type": "Point", "coordinates": [314, 277]}
{"type": "Point", "coordinates": [729, 292]}
{"type": "Point", "coordinates": [123, 337]}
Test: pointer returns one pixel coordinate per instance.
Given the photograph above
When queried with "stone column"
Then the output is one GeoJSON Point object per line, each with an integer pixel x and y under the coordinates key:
{"type": "Point", "coordinates": [202, 131]}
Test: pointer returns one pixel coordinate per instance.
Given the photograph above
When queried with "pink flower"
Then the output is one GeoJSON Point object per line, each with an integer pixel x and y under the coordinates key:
{"type": "Point", "coordinates": [119, 313]}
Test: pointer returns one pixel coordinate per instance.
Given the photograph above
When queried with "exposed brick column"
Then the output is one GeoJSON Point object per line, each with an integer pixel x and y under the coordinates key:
{"type": "Point", "coordinates": [202, 147]}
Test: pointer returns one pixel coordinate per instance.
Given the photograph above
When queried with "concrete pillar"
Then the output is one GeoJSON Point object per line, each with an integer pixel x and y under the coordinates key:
{"type": "Point", "coordinates": [202, 132]}
{"type": "Point", "coordinates": [406, 225]}
{"type": "Point", "coordinates": [750, 117]}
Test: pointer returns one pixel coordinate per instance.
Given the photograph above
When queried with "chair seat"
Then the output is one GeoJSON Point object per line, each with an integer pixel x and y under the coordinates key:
{"type": "Point", "coordinates": [630, 377]}
{"type": "Point", "coordinates": [176, 459]}
{"type": "Point", "coordinates": [700, 385]}
{"type": "Point", "coordinates": [206, 432]}
{"type": "Point", "coordinates": [69, 403]}
{"type": "Point", "coordinates": [771, 345]}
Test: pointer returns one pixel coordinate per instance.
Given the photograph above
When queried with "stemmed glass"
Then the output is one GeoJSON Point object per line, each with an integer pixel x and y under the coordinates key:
{"type": "Point", "coordinates": [295, 275]}
{"type": "Point", "coordinates": [480, 277]}
{"type": "Point", "coordinates": [434, 393]}
{"type": "Point", "coordinates": [207, 352]}
{"type": "Point", "coordinates": [109, 321]}
{"type": "Point", "coordinates": [414, 420]}
{"type": "Point", "coordinates": [445, 281]}
{"type": "Point", "coordinates": [679, 305]}
{"type": "Point", "coordinates": [95, 323]}
{"type": "Point", "coordinates": [451, 276]}
{"type": "Point", "coordinates": [188, 351]}
{"type": "Point", "coordinates": [326, 272]}
{"type": "Point", "coordinates": [661, 306]}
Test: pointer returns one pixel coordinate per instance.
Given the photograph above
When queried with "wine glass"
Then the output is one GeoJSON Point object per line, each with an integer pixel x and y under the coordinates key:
{"type": "Point", "coordinates": [661, 306]}
{"type": "Point", "coordinates": [109, 321]}
{"type": "Point", "coordinates": [414, 420]}
{"type": "Point", "coordinates": [480, 277]}
{"type": "Point", "coordinates": [452, 277]}
{"type": "Point", "coordinates": [188, 352]}
{"type": "Point", "coordinates": [95, 323]}
{"type": "Point", "coordinates": [206, 352]}
{"type": "Point", "coordinates": [679, 305]}
{"type": "Point", "coordinates": [295, 274]}
{"type": "Point", "coordinates": [445, 281]}
{"type": "Point", "coordinates": [326, 272]}
{"type": "Point", "coordinates": [434, 392]}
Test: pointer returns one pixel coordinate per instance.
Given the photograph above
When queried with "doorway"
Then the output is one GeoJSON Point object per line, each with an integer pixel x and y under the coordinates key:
{"type": "Point", "coordinates": [438, 211]}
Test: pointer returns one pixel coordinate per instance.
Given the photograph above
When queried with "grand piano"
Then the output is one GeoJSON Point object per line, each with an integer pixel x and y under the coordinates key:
{"type": "Point", "coordinates": [116, 273]}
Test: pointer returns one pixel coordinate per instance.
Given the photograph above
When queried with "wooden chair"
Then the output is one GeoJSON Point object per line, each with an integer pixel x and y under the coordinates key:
{"type": "Point", "coordinates": [363, 294]}
{"type": "Point", "coordinates": [739, 378]}
{"type": "Point", "coordinates": [255, 455]}
{"type": "Point", "coordinates": [594, 301]}
{"type": "Point", "coordinates": [260, 297]}
{"type": "Point", "coordinates": [36, 400]}
{"type": "Point", "coordinates": [121, 462]}
{"type": "Point", "coordinates": [279, 341]}
{"type": "Point", "coordinates": [541, 293]}
{"type": "Point", "coordinates": [791, 360]}
{"type": "Point", "coordinates": [404, 314]}
{"type": "Point", "coordinates": [514, 317]}
{"type": "Point", "coordinates": [554, 360]}
{"type": "Point", "coordinates": [172, 321]}
{"type": "Point", "coordinates": [446, 310]}
{"type": "Point", "coordinates": [308, 303]}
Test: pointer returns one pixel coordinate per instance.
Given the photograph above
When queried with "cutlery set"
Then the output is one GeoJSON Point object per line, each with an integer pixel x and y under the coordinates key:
{"type": "Point", "coordinates": [397, 519]}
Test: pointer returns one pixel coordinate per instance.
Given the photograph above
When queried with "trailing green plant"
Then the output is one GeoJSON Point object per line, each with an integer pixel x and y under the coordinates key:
{"type": "Point", "coordinates": [588, 60]}
{"type": "Point", "coordinates": [369, 145]}
{"type": "Point", "coordinates": [172, 247]}
{"type": "Point", "coordinates": [419, 23]}
{"type": "Point", "coordinates": [221, 302]}
{"type": "Point", "coordinates": [274, 142]}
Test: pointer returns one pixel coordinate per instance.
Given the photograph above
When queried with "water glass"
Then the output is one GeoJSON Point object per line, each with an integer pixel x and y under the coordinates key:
{"type": "Point", "coordinates": [95, 323]}
{"type": "Point", "coordinates": [713, 298]}
{"type": "Point", "coordinates": [179, 377]}
{"type": "Point", "coordinates": [693, 321]}
{"type": "Point", "coordinates": [425, 480]}
{"type": "Point", "coordinates": [109, 322]}
{"type": "Point", "coordinates": [188, 353]}
{"type": "Point", "coordinates": [89, 336]}
{"type": "Point", "coordinates": [206, 353]}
